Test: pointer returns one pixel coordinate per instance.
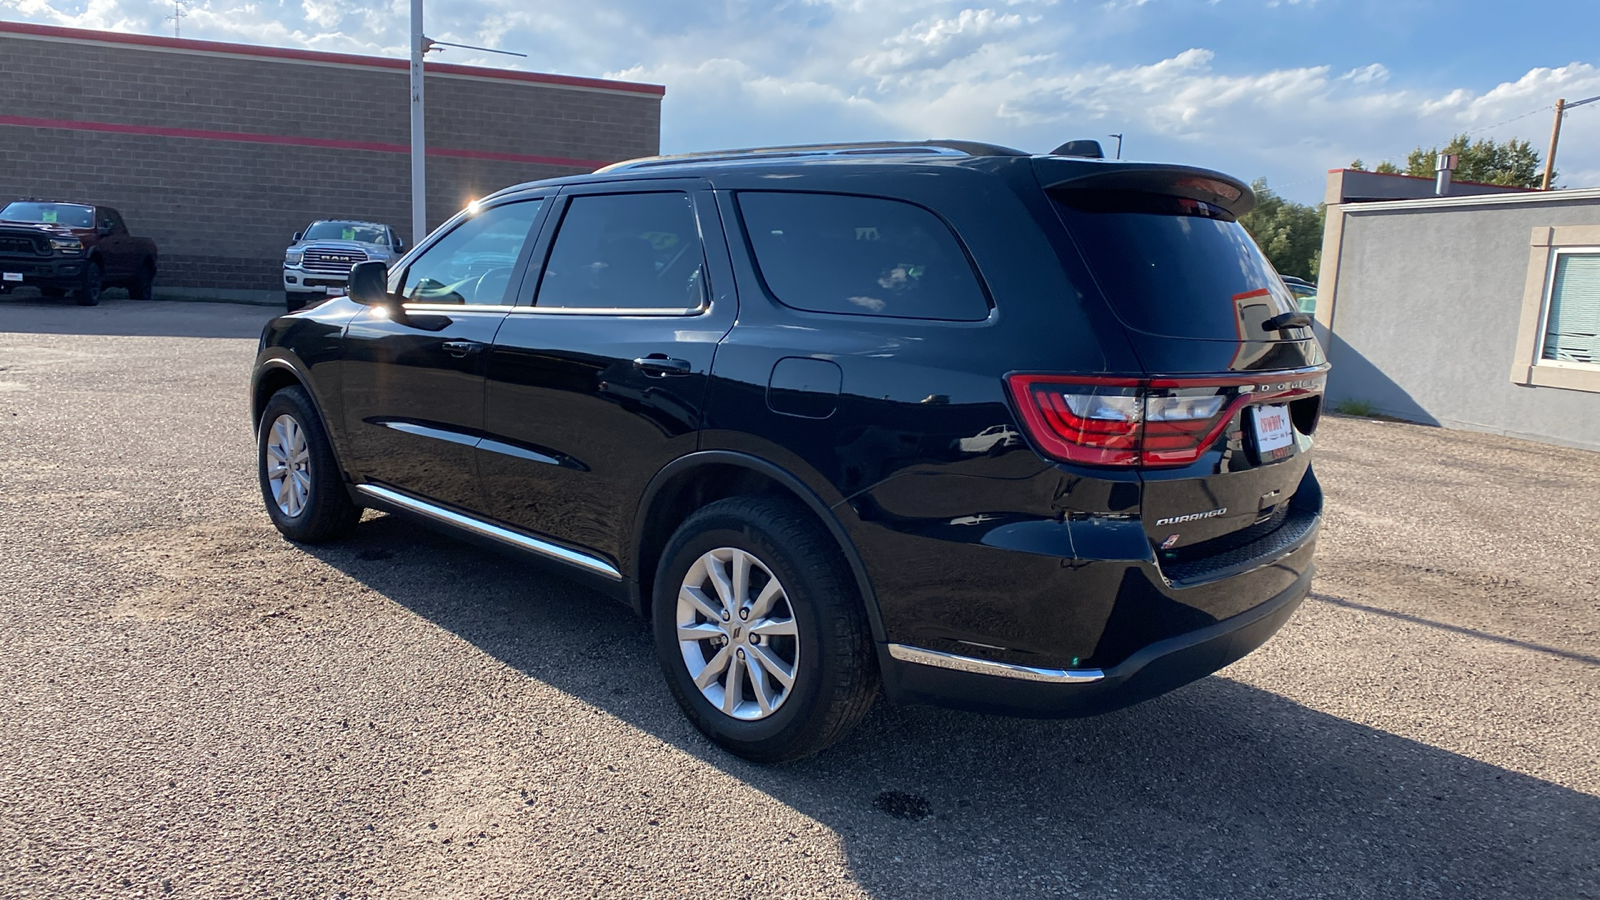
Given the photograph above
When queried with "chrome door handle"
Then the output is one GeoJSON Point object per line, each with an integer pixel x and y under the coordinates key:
{"type": "Point", "coordinates": [461, 348]}
{"type": "Point", "coordinates": [659, 364]}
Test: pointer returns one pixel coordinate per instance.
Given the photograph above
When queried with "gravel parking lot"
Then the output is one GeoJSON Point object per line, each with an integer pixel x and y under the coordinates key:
{"type": "Point", "coordinates": [193, 707]}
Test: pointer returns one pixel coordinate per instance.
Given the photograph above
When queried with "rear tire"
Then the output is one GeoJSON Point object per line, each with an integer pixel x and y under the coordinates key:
{"type": "Point", "coordinates": [139, 286]}
{"type": "Point", "coordinates": [813, 630]}
{"type": "Point", "coordinates": [301, 481]}
{"type": "Point", "coordinates": [88, 294]}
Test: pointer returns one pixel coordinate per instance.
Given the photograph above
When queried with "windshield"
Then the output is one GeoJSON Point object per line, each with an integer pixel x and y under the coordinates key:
{"type": "Point", "coordinates": [1173, 266]}
{"type": "Point", "coordinates": [68, 214]}
{"type": "Point", "coordinates": [348, 231]}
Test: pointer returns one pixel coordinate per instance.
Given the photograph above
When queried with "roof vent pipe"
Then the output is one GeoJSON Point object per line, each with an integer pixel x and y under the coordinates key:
{"type": "Point", "coordinates": [1445, 166]}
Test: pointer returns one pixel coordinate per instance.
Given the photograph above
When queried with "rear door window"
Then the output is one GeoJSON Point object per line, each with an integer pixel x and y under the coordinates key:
{"type": "Point", "coordinates": [838, 253]}
{"type": "Point", "coordinates": [625, 252]}
{"type": "Point", "coordinates": [1174, 266]}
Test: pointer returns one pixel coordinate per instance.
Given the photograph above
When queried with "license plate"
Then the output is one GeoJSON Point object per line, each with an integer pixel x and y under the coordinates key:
{"type": "Point", "coordinates": [336, 292]}
{"type": "Point", "coordinates": [1273, 431]}
{"type": "Point", "coordinates": [13, 276]}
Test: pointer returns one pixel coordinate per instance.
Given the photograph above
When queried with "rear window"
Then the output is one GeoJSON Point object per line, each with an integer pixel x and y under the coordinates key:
{"type": "Point", "coordinates": [836, 253]}
{"type": "Point", "coordinates": [1173, 266]}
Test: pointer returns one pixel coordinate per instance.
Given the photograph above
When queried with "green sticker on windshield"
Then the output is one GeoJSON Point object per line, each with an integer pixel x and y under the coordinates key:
{"type": "Point", "coordinates": [49, 215]}
{"type": "Point", "coordinates": [349, 234]}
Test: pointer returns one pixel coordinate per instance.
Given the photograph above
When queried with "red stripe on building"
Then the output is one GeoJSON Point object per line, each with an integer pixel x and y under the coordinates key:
{"type": "Point", "coordinates": [318, 56]}
{"type": "Point", "coordinates": [295, 141]}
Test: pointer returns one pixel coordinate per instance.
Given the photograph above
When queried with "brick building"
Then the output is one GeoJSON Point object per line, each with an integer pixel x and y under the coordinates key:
{"type": "Point", "coordinates": [220, 152]}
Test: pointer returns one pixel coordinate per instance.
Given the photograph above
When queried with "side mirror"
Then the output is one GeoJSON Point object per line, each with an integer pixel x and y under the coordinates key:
{"type": "Point", "coordinates": [369, 284]}
{"type": "Point", "coordinates": [297, 236]}
{"type": "Point", "coordinates": [399, 245]}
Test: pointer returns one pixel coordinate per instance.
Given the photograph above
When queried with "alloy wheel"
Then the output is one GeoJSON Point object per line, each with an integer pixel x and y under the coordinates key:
{"type": "Point", "coordinates": [288, 465]}
{"type": "Point", "coordinates": [737, 634]}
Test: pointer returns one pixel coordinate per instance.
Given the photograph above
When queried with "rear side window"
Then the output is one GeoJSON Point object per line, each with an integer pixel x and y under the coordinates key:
{"type": "Point", "coordinates": [835, 253]}
{"type": "Point", "coordinates": [626, 251]}
{"type": "Point", "coordinates": [1174, 266]}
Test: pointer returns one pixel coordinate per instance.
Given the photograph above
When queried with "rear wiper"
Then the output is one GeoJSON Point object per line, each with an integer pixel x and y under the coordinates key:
{"type": "Point", "coordinates": [1288, 320]}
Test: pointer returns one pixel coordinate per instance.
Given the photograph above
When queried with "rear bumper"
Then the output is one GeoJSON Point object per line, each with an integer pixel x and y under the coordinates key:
{"type": "Point", "coordinates": [911, 676]}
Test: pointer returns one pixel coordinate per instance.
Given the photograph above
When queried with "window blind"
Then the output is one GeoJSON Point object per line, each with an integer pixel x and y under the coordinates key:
{"type": "Point", "coordinates": [1572, 331]}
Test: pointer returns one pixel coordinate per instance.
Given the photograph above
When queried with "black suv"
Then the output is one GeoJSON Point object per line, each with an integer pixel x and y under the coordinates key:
{"type": "Point", "coordinates": [1020, 433]}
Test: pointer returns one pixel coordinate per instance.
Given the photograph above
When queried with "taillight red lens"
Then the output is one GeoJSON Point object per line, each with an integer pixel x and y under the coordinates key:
{"type": "Point", "coordinates": [1122, 421]}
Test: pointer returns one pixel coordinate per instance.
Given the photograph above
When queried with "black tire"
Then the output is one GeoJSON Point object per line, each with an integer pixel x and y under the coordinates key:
{"type": "Point", "coordinates": [54, 293]}
{"type": "Point", "coordinates": [326, 513]}
{"type": "Point", "coordinates": [88, 293]}
{"type": "Point", "coordinates": [835, 675]}
{"type": "Point", "coordinates": [139, 285]}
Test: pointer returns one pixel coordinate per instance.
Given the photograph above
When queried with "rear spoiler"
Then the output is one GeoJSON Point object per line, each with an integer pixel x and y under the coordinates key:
{"type": "Point", "coordinates": [1057, 173]}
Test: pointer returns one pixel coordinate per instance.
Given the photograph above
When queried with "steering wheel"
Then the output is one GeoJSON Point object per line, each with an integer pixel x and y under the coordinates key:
{"type": "Point", "coordinates": [492, 284]}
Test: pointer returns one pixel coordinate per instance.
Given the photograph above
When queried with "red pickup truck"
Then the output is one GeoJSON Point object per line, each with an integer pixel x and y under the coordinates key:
{"type": "Point", "coordinates": [61, 246]}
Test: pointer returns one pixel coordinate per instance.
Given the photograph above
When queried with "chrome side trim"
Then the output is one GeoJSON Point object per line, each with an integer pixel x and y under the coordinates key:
{"type": "Point", "coordinates": [976, 666]}
{"type": "Point", "coordinates": [479, 527]}
{"type": "Point", "coordinates": [438, 434]}
{"type": "Point", "coordinates": [518, 452]}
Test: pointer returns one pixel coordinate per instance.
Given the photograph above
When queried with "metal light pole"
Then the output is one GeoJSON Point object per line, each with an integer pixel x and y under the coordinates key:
{"type": "Point", "coordinates": [1119, 144]}
{"type": "Point", "coordinates": [419, 150]}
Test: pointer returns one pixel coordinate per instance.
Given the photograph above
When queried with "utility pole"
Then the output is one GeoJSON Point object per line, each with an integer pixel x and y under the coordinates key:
{"type": "Point", "coordinates": [1555, 135]}
{"type": "Point", "coordinates": [419, 150]}
{"type": "Point", "coordinates": [1119, 144]}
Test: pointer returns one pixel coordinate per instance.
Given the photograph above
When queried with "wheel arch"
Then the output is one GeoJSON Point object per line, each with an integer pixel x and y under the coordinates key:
{"type": "Point", "coordinates": [691, 481]}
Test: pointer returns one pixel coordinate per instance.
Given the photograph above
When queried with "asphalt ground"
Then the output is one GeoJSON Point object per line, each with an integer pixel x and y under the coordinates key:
{"type": "Point", "coordinates": [192, 707]}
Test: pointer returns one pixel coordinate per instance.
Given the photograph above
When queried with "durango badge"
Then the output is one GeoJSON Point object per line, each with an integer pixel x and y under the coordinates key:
{"type": "Point", "coordinates": [1193, 517]}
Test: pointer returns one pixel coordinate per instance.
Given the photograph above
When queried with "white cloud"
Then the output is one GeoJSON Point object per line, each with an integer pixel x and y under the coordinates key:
{"type": "Point", "coordinates": [742, 72]}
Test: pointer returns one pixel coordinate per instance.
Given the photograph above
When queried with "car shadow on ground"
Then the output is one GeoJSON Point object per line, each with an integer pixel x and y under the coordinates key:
{"type": "Point", "coordinates": [1219, 789]}
{"type": "Point", "coordinates": [117, 316]}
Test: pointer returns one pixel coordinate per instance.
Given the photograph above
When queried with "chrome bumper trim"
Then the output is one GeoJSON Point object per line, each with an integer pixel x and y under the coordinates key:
{"type": "Point", "coordinates": [504, 535]}
{"type": "Point", "coordinates": [976, 666]}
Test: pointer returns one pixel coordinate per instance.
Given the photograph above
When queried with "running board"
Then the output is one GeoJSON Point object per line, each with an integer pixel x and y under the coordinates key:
{"type": "Point", "coordinates": [494, 532]}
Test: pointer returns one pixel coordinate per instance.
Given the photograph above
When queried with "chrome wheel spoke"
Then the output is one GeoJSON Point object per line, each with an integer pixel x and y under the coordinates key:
{"type": "Point", "coordinates": [763, 603]}
{"type": "Point", "coordinates": [780, 671]}
{"type": "Point", "coordinates": [733, 688]}
{"type": "Point", "coordinates": [739, 571]}
{"type": "Point", "coordinates": [714, 668]}
{"type": "Point", "coordinates": [719, 582]}
{"type": "Point", "coordinates": [704, 631]}
{"type": "Point", "coordinates": [701, 603]}
{"type": "Point", "coordinates": [758, 686]}
{"type": "Point", "coordinates": [775, 628]}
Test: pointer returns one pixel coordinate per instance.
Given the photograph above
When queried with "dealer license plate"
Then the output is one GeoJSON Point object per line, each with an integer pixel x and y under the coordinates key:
{"type": "Point", "coordinates": [13, 276]}
{"type": "Point", "coordinates": [336, 292]}
{"type": "Point", "coordinates": [1274, 434]}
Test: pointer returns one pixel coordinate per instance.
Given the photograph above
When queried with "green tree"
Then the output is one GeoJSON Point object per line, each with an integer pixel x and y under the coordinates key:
{"type": "Point", "coordinates": [1289, 233]}
{"type": "Point", "coordinates": [1513, 163]}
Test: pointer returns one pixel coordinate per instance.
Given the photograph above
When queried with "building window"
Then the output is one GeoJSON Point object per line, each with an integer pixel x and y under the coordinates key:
{"type": "Point", "coordinates": [1572, 317]}
{"type": "Point", "coordinates": [1558, 339]}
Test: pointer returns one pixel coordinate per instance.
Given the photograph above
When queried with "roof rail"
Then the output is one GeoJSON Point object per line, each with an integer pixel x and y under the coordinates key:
{"type": "Point", "coordinates": [802, 151]}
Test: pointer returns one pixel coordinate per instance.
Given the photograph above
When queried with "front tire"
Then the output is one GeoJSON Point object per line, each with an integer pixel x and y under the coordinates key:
{"type": "Point", "coordinates": [301, 482]}
{"type": "Point", "coordinates": [88, 293]}
{"type": "Point", "coordinates": [760, 630]}
{"type": "Point", "coordinates": [294, 301]}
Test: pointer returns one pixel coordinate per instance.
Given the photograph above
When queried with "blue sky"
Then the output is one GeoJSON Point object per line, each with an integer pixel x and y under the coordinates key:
{"type": "Point", "coordinates": [1284, 89]}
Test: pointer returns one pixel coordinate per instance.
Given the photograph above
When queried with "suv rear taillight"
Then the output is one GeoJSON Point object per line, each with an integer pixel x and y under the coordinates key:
{"type": "Point", "coordinates": [1111, 421]}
